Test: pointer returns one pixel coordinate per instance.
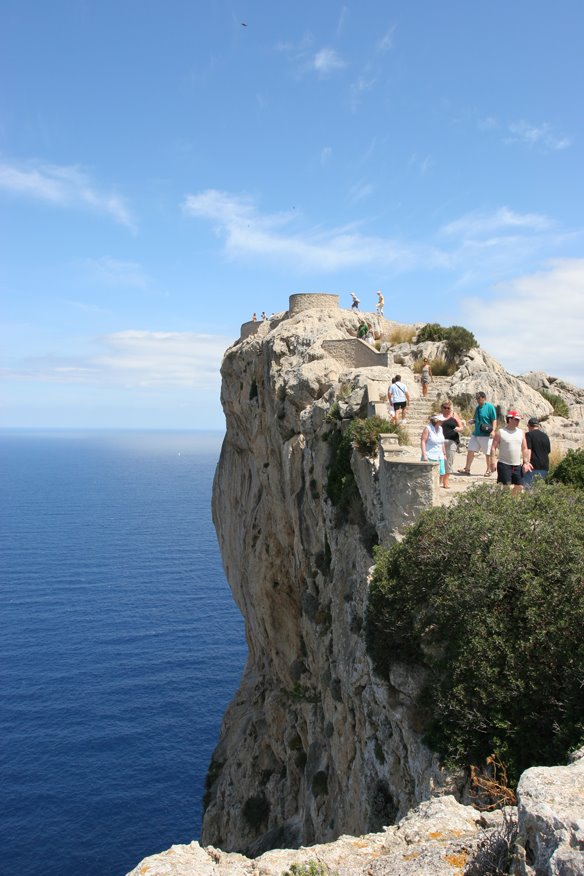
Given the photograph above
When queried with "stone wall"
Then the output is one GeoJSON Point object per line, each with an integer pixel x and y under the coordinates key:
{"type": "Point", "coordinates": [355, 353]}
{"type": "Point", "coordinates": [311, 301]}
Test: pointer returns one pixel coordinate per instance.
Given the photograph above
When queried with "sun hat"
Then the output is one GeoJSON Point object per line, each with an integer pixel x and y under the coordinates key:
{"type": "Point", "coordinates": [437, 417]}
{"type": "Point", "coordinates": [512, 415]}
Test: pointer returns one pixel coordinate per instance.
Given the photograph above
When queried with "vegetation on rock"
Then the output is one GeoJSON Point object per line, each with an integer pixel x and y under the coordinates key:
{"type": "Point", "coordinates": [487, 595]}
{"type": "Point", "coordinates": [570, 470]}
{"type": "Point", "coordinates": [459, 340]}
{"type": "Point", "coordinates": [364, 435]}
{"type": "Point", "coordinates": [557, 402]}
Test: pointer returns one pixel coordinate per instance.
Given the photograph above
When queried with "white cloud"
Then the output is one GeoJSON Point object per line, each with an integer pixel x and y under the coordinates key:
{"type": "Point", "coordinates": [536, 321]}
{"type": "Point", "coordinates": [132, 359]}
{"type": "Point", "coordinates": [64, 186]}
{"type": "Point", "coordinates": [541, 136]}
{"type": "Point", "coordinates": [327, 61]}
{"type": "Point", "coordinates": [343, 15]}
{"type": "Point", "coordinates": [247, 233]}
{"type": "Point", "coordinates": [479, 223]}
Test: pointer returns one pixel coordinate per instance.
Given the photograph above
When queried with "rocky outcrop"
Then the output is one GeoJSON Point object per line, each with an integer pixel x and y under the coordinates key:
{"type": "Point", "coordinates": [551, 820]}
{"type": "Point", "coordinates": [314, 745]}
{"type": "Point", "coordinates": [543, 836]}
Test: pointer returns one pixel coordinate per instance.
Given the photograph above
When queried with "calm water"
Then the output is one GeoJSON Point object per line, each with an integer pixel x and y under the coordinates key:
{"type": "Point", "coordinates": [120, 646]}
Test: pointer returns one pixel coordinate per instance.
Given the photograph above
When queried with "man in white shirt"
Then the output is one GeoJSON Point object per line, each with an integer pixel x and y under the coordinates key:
{"type": "Point", "coordinates": [513, 461]}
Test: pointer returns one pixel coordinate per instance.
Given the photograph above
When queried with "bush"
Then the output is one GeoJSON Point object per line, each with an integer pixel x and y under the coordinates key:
{"type": "Point", "coordinates": [458, 342]}
{"type": "Point", "coordinates": [364, 435]}
{"type": "Point", "coordinates": [570, 470]}
{"type": "Point", "coordinates": [558, 404]}
{"type": "Point", "coordinates": [487, 595]}
{"type": "Point", "coordinates": [432, 331]}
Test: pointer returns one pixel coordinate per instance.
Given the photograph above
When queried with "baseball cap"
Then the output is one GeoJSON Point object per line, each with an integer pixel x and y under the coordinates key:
{"type": "Point", "coordinates": [512, 415]}
{"type": "Point", "coordinates": [533, 421]}
{"type": "Point", "coordinates": [437, 417]}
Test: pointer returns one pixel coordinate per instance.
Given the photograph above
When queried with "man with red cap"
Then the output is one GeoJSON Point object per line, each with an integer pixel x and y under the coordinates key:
{"type": "Point", "coordinates": [513, 461]}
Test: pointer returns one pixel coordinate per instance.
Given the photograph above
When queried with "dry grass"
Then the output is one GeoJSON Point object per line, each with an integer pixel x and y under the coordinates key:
{"type": "Point", "coordinates": [403, 334]}
{"type": "Point", "coordinates": [490, 785]}
{"type": "Point", "coordinates": [556, 457]}
{"type": "Point", "coordinates": [440, 367]}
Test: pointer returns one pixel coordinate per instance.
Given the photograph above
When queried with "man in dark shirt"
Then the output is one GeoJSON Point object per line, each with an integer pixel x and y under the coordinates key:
{"type": "Point", "coordinates": [539, 448]}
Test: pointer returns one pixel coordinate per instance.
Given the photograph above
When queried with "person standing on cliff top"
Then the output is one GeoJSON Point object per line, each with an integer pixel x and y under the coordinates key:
{"type": "Point", "coordinates": [513, 461]}
{"type": "Point", "coordinates": [356, 302]}
{"type": "Point", "coordinates": [380, 304]}
{"type": "Point", "coordinates": [539, 448]}
{"type": "Point", "coordinates": [485, 423]}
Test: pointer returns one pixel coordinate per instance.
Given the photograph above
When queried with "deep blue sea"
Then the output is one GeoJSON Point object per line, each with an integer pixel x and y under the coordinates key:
{"type": "Point", "coordinates": [120, 646]}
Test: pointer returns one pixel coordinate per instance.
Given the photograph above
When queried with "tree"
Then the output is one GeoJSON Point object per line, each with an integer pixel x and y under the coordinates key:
{"type": "Point", "coordinates": [488, 596]}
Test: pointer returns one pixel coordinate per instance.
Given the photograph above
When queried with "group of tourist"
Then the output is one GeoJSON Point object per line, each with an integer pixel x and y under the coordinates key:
{"type": "Point", "coordinates": [521, 456]}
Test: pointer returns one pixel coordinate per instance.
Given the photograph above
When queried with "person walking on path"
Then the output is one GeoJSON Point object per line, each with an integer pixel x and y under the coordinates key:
{"type": "Point", "coordinates": [451, 427]}
{"type": "Point", "coordinates": [425, 377]}
{"type": "Point", "coordinates": [432, 442]}
{"type": "Point", "coordinates": [380, 304]}
{"type": "Point", "coordinates": [356, 302]}
{"type": "Point", "coordinates": [485, 424]}
{"type": "Point", "coordinates": [513, 453]}
{"type": "Point", "coordinates": [539, 448]}
{"type": "Point", "coordinates": [399, 398]}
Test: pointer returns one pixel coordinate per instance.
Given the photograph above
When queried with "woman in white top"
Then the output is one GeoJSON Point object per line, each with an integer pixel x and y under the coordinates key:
{"type": "Point", "coordinates": [432, 442]}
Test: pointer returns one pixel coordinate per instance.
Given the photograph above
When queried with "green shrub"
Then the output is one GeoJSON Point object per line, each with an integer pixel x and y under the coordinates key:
{"type": "Point", "coordinates": [558, 404]}
{"type": "Point", "coordinates": [432, 331]}
{"type": "Point", "coordinates": [487, 595]}
{"type": "Point", "coordinates": [570, 470]}
{"type": "Point", "coordinates": [458, 342]}
{"type": "Point", "coordinates": [364, 435]}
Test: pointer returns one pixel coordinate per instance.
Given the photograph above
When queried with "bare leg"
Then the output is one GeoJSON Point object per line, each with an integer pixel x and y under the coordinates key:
{"type": "Point", "coordinates": [469, 458]}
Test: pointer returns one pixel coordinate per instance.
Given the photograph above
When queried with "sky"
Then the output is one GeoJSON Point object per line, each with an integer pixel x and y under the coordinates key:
{"type": "Point", "coordinates": [166, 169]}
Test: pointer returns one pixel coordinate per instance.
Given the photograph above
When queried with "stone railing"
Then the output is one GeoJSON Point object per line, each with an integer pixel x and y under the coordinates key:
{"type": "Point", "coordinates": [355, 353]}
{"type": "Point", "coordinates": [406, 487]}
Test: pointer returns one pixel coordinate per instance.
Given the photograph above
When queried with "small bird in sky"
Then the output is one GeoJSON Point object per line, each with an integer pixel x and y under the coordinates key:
{"type": "Point", "coordinates": [243, 24]}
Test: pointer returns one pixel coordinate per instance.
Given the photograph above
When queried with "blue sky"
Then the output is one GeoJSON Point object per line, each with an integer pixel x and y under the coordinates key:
{"type": "Point", "coordinates": [165, 171]}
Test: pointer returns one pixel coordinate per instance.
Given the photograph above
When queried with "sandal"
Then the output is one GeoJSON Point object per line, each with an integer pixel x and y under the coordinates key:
{"type": "Point", "coordinates": [463, 471]}
{"type": "Point", "coordinates": [488, 474]}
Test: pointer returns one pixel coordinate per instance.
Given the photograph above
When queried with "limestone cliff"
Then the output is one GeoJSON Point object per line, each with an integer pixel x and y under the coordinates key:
{"type": "Point", "coordinates": [314, 745]}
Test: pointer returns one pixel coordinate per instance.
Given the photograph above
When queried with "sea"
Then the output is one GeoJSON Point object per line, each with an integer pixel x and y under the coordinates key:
{"type": "Point", "coordinates": [120, 646]}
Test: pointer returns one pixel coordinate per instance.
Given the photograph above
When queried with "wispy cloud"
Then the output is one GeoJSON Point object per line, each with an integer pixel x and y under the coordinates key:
{"type": "Point", "coordinates": [327, 61]}
{"type": "Point", "coordinates": [475, 249]}
{"type": "Point", "coordinates": [342, 19]}
{"type": "Point", "coordinates": [480, 223]}
{"type": "Point", "coordinates": [549, 308]}
{"type": "Point", "coordinates": [325, 155]}
{"type": "Point", "coordinates": [116, 272]}
{"type": "Point", "coordinates": [542, 136]}
{"type": "Point", "coordinates": [63, 186]}
{"type": "Point", "coordinates": [361, 190]}
{"type": "Point", "coordinates": [247, 233]}
{"type": "Point", "coordinates": [385, 44]}
{"type": "Point", "coordinates": [135, 359]}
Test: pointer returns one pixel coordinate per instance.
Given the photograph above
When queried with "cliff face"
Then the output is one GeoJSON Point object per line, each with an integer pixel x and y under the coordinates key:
{"type": "Point", "coordinates": [312, 745]}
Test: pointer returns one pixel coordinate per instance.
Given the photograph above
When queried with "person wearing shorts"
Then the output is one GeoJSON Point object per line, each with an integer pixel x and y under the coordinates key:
{"type": "Point", "coordinates": [513, 461]}
{"type": "Point", "coordinates": [485, 424]}
{"type": "Point", "coordinates": [399, 398]}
